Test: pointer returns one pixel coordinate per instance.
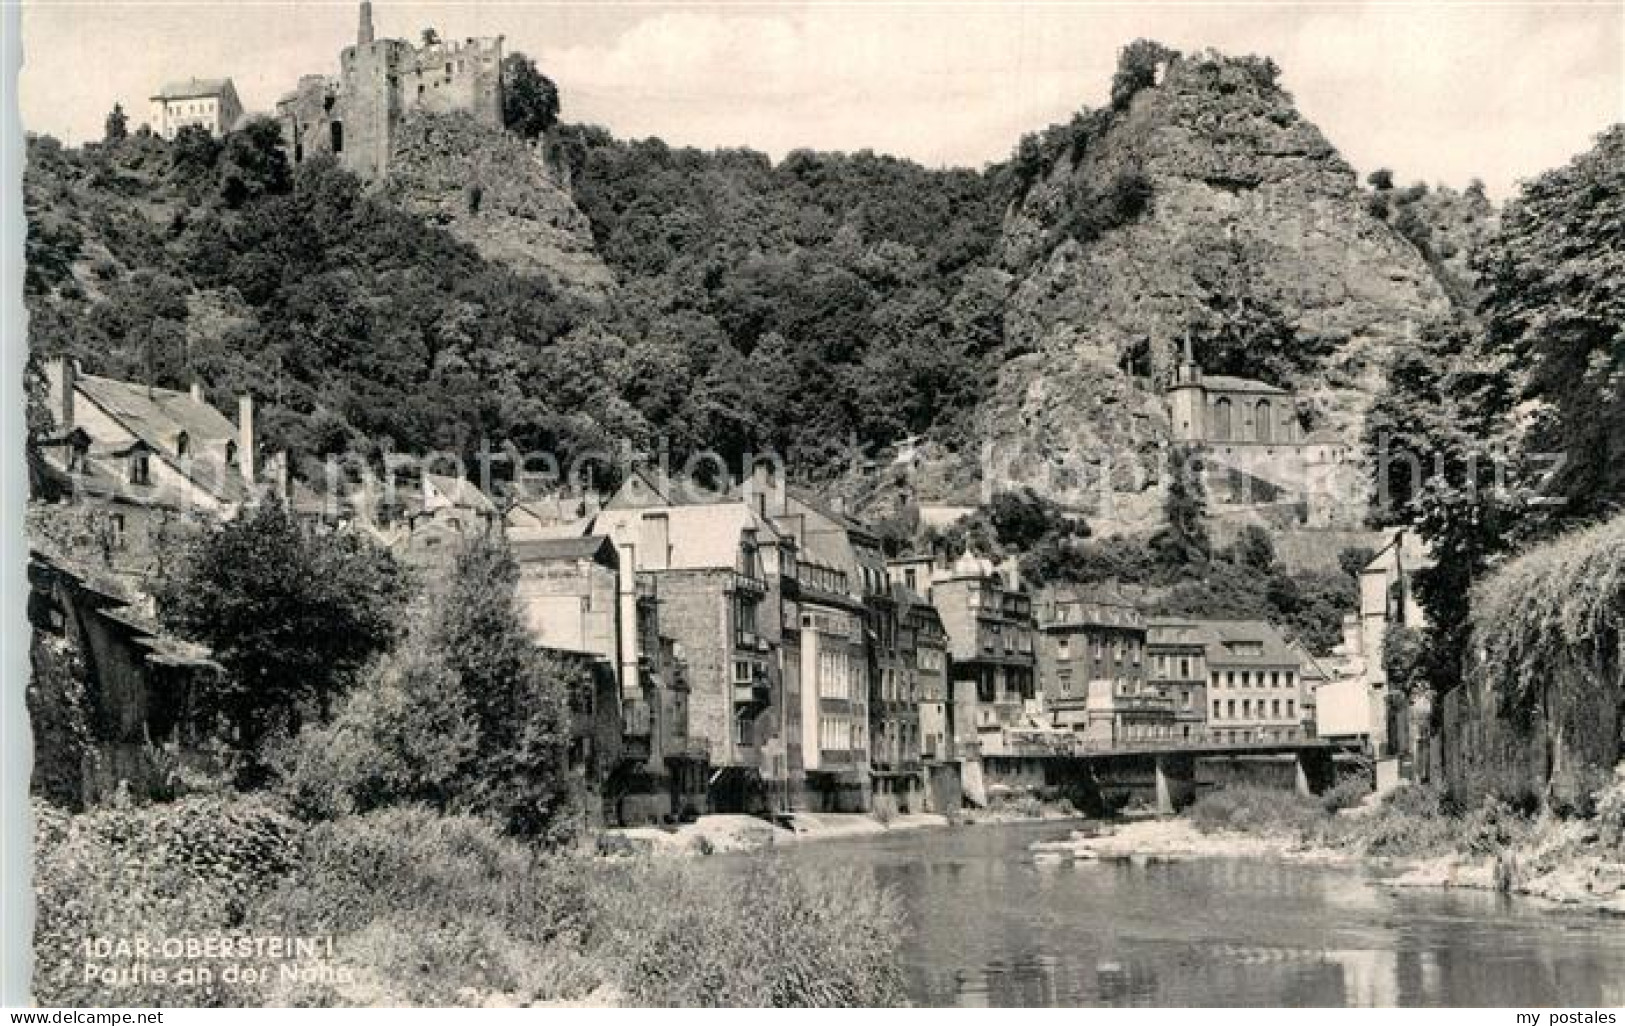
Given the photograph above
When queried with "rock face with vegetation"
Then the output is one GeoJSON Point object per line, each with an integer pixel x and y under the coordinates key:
{"type": "Point", "coordinates": [1199, 202]}
{"type": "Point", "coordinates": [495, 192]}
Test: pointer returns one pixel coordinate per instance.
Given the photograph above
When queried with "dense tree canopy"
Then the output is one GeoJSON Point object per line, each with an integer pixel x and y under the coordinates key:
{"type": "Point", "coordinates": [1506, 428]}
{"type": "Point", "coordinates": [530, 100]}
{"type": "Point", "coordinates": [290, 615]}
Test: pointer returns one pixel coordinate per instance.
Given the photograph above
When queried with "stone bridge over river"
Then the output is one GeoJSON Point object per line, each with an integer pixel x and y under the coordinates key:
{"type": "Point", "coordinates": [1165, 768]}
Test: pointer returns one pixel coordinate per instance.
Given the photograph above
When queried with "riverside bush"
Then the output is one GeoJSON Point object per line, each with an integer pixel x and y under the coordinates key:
{"type": "Point", "coordinates": [192, 868]}
{"type": "Point", "coordinates": [425, 908]}
{"type": "Point", "coordinates": [1254, 809]}
{"type": "Point", "coordinates": [1347, 794]}
{"type": "Point", "coordinates": [763, 933]}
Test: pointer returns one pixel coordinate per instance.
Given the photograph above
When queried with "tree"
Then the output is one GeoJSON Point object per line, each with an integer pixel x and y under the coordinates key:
{"type": "Point", "coordinates": [1404, 659]}
{"type": "Point", "coordinates": [194, 152]}
{"type": "Point", "coordinates": [518, 697]}
{"type": "Point", "coordinates": [1381, 179]}
{"type": "Point", "coordinates": [253, 163]}
{"type": "Point", "coordinates": [530, 100]}
{"type": "Point", "coordinates": [1184, 540]}
{"type": "Point", "coordinates": [1255, 549]}
{"type": "Point", "coordinates": [1022, 518]}
{"type": "Point", "coordinates": [291, 616]}
{"type": "Point", "coordinates": [1354, 559]}
{"type": "Point", "coordinates": [117, 126]}
{"type": "Point", "coordinates": [1554, 302]}
{"type": "Point", "coordinates": [1137, 69]}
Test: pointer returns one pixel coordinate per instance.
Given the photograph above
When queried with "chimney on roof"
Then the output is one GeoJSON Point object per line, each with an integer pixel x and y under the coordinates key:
{"type": "Point", "coordinates": [363, 33]}
{"type": "Point", "coordinates": [245, 437]}
{"type": "Point", "coordinates": [61, 376]}
{"type": "Point", "coordinates": [197, 391]}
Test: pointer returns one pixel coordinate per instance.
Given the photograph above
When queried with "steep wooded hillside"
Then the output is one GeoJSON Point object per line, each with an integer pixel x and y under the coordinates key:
{"type": "Point", "coordinates": [631, 290]}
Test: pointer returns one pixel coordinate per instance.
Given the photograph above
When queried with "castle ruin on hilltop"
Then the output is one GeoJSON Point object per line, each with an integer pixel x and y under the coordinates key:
{"type": "Point", "coordinates": [354, 115]}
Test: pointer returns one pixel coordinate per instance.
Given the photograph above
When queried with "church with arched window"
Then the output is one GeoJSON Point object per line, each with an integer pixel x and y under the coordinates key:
{"type": "Point", "coordinates": [1221, 410]}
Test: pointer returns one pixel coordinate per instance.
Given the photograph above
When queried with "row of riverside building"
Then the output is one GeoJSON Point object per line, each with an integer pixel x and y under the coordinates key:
{"type": "Point", "coordinates": [748, 651]}
{"type": "Point", "coordinates": [782, 662]}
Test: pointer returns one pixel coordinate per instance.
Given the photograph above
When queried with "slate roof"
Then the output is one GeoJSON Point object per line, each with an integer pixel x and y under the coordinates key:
{"type": "Point", "coordinates": [191, 88]}
{"type": "Point", "coordinates": [158, 417]}
{"type": "Point", "coordinates": [592, 546]}
{"type": "Point", "coordinates": [1225, 383]}
{"type": "Point", "coordinates": [460, 492]}
{"type": "Point", "coordinates": [1275, 651]}
{"type": "Point", "coordinates": [1101, 606]}
{"type": "Point", "coordinates": [700, 537]}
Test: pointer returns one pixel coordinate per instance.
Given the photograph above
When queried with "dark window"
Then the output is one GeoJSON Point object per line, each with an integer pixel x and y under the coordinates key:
{"type": "Point", "coordinates": [1221, 420]}
{"type": "Point", "coordinates": [1262, 428]}
{"type": "Point", "coordinates": [336, 130]}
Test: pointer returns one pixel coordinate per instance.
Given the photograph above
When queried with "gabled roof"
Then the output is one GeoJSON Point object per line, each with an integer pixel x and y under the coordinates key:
{"type": "Point", "coordinates": [159, 418]}
{"type": "Point", "coordinates": [817, 504]}
{"type": "Point", "coordinates": [193, 88]}
{"type": "Point", "coordinates": [698, 537]}
{"type": "Point", "coordinates": [1405, 549]}
{"type": "Point", "coordinates": [113, 601]}
{"type": "Point", "coordinates": [156, 415]}
{"type": "Point", "coordinates": [1273, 647]}
{"type": "Point", "coordinates": [459, 492]}
{"type": "Point", "coordinates": [541, 550]}
{"type": "Point", "coordinates": [1225, 383]}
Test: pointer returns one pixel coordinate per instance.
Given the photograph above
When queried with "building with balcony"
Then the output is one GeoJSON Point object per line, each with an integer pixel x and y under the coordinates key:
{"type": "Point", "coordinates": [1092, 664]}
{"type": "Point", "coordinates": [1176, 666]}
{"type": "Point", "coordinates": [718, 569]}
{"type": "Point", "coordinates": [829, 629]}
{"type": "Point", "coordinates": [923, 647]}
{"type": "Point", "coordinates": [987, 616]}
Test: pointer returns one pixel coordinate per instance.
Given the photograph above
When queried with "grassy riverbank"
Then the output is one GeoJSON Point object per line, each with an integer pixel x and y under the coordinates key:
{"type": "Point", "coordinates": [431, 909]}
{"type": "Point", "coordinates": [1577, 861]}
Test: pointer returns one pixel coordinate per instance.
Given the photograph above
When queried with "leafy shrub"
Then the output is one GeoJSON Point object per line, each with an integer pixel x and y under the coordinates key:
{"type": "Point", "coordinates": [443, 909]}
{"type": "Point", "coordinates": [1610, 806]}
{"type": "Point", "coordinates": [1254, 809]}
{"type": "Point", "coordinates": [1346, 794]}
{"type": "Point", "coordinates": [1491, 828]}
{"type": "Point", "coordinates": [763, 934]}
{"type": "Point", "coordinates": [1415, 800]}
{"type": "Point", "coordinates": [410, 859]}
{"type": "Point", "coordinates": [885, 809]}
{"type": "Point", "coordinates": [191, 868]}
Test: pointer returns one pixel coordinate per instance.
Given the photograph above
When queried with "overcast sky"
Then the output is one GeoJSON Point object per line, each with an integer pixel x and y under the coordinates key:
{"type": "Point", "coordinates": [1440, 92]}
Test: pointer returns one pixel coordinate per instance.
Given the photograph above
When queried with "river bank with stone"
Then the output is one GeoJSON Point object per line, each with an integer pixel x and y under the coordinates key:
{"type": "Point", "coordinates": [724, 834]}
{"type": "Point", "coordinates": [1570, 862]}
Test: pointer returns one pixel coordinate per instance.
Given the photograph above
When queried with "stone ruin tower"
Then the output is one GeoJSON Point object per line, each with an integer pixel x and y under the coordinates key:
{"type": "Point", "coordinates": [354, 115]}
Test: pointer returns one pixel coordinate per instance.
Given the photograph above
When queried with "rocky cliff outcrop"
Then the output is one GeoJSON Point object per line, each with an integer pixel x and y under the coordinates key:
{"type": "Point", "coordinates": [495, 192]}
{"type": "Point", "coordinates": [1200, 203]}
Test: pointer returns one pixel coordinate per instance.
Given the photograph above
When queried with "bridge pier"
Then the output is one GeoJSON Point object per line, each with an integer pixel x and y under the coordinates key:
{"type": "Point", "coordinates": [1314, 771]}
{"type": "Point", "coordinates": [1176, 782]}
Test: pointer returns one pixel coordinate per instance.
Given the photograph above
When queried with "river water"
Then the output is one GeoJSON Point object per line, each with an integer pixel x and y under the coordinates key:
{"type": "Point", "coordinates": [990, 927]}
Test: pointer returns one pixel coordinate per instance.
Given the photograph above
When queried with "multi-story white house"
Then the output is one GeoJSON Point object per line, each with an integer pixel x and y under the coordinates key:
{"type": "Point", "coordinates": [209, 103]}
